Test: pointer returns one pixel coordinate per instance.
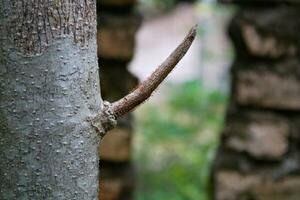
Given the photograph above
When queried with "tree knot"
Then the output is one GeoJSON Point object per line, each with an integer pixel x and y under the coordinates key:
{"type": "Point", "coordinates": [105, 120]}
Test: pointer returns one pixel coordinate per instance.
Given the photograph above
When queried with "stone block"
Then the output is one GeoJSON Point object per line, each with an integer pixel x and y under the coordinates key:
{"type": "Point", "coordinates": [229, 159]}
{"type": "Point", "coordinates": [266, 45]}
{"type": "Point", "coordinates": [231, 185]}
{"type": "Point", "coordinates": [116, 181]}
{"type": "Point", "coordinates": [116, 145]}
{"type": "Point", "coordinates": [258, 157]}
{"type": "Point", "coordinates": [287, 188]}
{"type": "Point", "coordinates": [268, 85]}
{"type": "Point", "coordinates": [110, 189]}
{"type": "Point", "coordinates": [116, 35]}
{"type": "Point", "coordinates": [259, 134]}
{"type": "Point", "coordinates": [257, 32]}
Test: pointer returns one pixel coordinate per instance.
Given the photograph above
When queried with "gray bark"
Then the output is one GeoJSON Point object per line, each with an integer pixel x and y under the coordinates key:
{"type": "Point", "coordinates": [51, 113]}
{"type": "Point", "coordinates": [49, 89]}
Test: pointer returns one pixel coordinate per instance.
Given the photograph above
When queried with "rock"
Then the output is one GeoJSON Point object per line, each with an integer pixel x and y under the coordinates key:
{"type": "Point", "coordinates": [266, 86]}
{"type": "Point", "coordinates": [258, 157]}
{"type": "Point", "coordinates": [261, 135]}
{"type": "Point", "coordinates": [257, 32]}
{"type": "Point", "coordinates": [116, 145]}
{"type": "Point", "coordinates": [287, 188]}
{"type": "Point", "coordinates": [232, 185]}
{"type": "Point", "coordinates": [266, 45]}
{"type": "Point", "coordinates": [117, 181]}
{"type": "Point", "coordinates": [110, 189]}
{"type": "Point", "coordinates": [116, 35]}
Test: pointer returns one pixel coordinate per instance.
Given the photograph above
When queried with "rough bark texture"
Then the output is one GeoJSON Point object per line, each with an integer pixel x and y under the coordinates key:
{"type": "Point", "coordinates": [259, 154]}
{"type": "Point", "coordinates": [52, 116]}
{"type": "Point", "coordinates": [49, 89]}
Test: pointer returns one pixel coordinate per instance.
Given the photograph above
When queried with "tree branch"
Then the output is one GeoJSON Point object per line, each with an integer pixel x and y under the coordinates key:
{"type": "Point", "coordinates": [145, 89]}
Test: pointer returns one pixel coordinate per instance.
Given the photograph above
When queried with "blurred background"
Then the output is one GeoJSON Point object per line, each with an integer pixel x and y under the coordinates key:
{"type": "Point", "coordinates": [225, 124]}
{"type": "Point", "coordinates": [176, 131]}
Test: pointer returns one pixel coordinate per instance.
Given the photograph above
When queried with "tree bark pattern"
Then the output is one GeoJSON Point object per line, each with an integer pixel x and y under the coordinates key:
{"type": "Point", "coordinates": [32, 25]}
{"type": "Point", "coordinates": [48, 146]}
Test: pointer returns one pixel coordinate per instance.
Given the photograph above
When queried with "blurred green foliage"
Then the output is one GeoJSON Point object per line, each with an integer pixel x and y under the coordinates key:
{"type": "Point", "coordinates": [175, 143]}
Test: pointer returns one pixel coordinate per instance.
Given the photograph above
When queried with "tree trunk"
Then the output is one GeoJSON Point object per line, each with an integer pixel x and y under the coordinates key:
{"type": "Point", "coordinates": [49, 89]}
{"type": "Point", "coordinates": [51, 112]}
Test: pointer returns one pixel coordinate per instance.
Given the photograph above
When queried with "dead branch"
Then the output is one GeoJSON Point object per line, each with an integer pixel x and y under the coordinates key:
{"type": "Point", "coordinates": [145, 89]}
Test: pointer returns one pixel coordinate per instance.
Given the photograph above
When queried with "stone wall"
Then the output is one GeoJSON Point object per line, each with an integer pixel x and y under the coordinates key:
{"type": "Point", "coordinates": [259, 154]}
{"type": "Point", "coordinates": [117, 26]}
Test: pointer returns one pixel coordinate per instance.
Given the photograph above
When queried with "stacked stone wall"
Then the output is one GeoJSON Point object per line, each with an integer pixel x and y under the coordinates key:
{"type": "Point", "coordinates": [118, 23]}
{"type": "Point", "coordinates": [259, 154]}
